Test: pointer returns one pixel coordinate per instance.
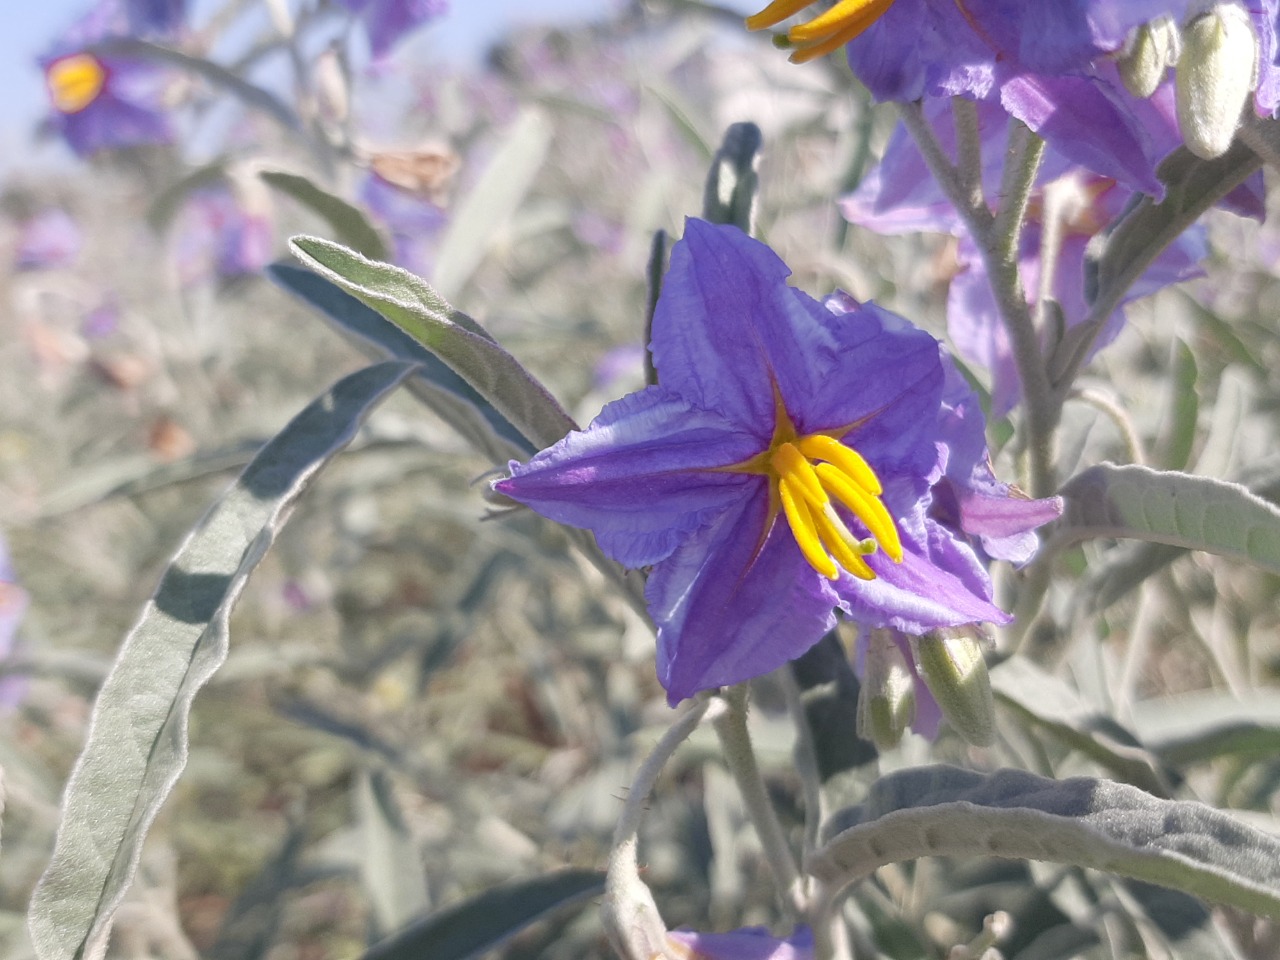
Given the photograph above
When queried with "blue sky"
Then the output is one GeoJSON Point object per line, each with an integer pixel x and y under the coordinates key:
{"type": "Point", "coordinates": [27, 28]}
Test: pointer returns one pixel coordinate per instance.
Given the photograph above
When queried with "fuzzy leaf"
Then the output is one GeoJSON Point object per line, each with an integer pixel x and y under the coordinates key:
{"type": "Point", "coordinates": [1179, 509]}
{"type": "Point", "coordinates": [434, 383]}
{"type": "Point", "coordinates": [949, 812]}
{"type": "Point", "coordinates": [349, 223]}
{"type": "Point", "coordinates": [411, 304]}
{"type": "Point", "coordinates": [137, 744]}
{"type": "Point", "coordinates": [486, 920]}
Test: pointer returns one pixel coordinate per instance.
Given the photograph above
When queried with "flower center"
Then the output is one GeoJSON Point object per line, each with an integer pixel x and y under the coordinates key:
{"type": "Point", "coordinates": [75, 81]}
{"type": "Point", "coordinates": [829, 30]}
{"type": "Point", "coordinates": [809, 477]}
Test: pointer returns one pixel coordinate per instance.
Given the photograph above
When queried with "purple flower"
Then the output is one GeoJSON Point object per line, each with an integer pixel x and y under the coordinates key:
{"type": "Point", "coordinates": [219, 235]}
{"type": "Point", "coordinates": [898, 197]}
{"type": "Point", "coordinates": [103, 102]}
{"type": "Point", "coordinates": [749, 943]}
{"type": "Point", "coordinates": [51, 238]}
{"type": "Point", "coordinates": [781, 469]}
{"type": "Point", "coordinates": [388, 21]}
{"type": "Point", "coordinates": [1043, 61]}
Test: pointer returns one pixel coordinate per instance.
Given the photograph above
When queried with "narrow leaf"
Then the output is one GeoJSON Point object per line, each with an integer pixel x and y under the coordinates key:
{"type": "Point", "coordinates": [219, 76]}
{"type": "Point", "coordinates": [409, 303]}
{"type": "Point", "coordinates": [732, 181]}
{"type": "Point", "coordinates": [1185, 405]}
{"type": "Point", "coordinates": [390, 865]}
{"type": "Point", "coordinates": [434, 383]}
{"type": "Point", "coordinates": [946, 811]}
{"type": "Point", "coordinates": [1042, 701]}
{"type": "Point", "coordinates": [485, 921]}
{"type": "Point", "coordinates": [137, 743]}
{"type": "Point", "coordinates": [1198, 513]}
{"type": "Point", "coordinates": [499, 191]}
{"type": "Point", "coordinates": [349, 223]}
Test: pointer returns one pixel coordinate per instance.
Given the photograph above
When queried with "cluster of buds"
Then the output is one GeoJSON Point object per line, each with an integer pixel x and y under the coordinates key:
{"type": "Point", "coordinates": [952, 666]}
{"type": "Point", "coordinates": [1215, 56]}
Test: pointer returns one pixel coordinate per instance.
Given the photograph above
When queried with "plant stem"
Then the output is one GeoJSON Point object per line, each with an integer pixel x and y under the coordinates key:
{"type": "Point", "coordinates": [740, 757]}
{"type": "Point", "coordinates": [630, 916]}
{"type": "Point", "coordinates": [996, 239]}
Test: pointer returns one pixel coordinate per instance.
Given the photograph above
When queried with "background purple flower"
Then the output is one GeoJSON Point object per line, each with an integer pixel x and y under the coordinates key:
{"type": "Point", "coordinates": [218, 235]}
{"type": "Point", "coordinates": [749, 943]}
{"type": "Point", "coordinates": [413, 221]}
{"type": "Point", "coordinates": [387, 22]}
{"type": "Point", "coordinates": [13, 605]}
{"type": "Point", "coordinates": [50, 238]}
{"type": "Point", "coordinates": [162, 17]}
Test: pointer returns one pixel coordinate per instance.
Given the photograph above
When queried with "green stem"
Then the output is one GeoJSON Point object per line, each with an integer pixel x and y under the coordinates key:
{"type": "Point", "coordinates": [996, 239]}
{"type": "Point", "coordinates": [740, 757]}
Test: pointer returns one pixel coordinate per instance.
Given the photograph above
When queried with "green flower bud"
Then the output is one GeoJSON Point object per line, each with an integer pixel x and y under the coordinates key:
{"type": "Point", "coordinates": [1151, 51]}
{"type": "Point", "coordinates": [1216, 73]}
{"type": "Point", "coordinates": [952, 664]}
{"type": "Point", "coordinates": [887, 701]}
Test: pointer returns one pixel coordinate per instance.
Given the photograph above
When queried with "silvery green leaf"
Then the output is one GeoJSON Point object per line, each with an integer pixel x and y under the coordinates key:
{"type": "Point", "coordinates": [411, 304]}
{"type": "Point", "coordinates": [1178, 509]}
{"type": "Point", "coordinates": [349, 223]}
{"type": "Point", "coordinates": [487, 920]}
{"type": "Point", "coordinates": [732, 182]}
{"type": "Point", "coordinates": [500, 189]}
{"type": "Point", "coordinates": [434, 383]}
{"type": "Point", "coordinates": [1044, 702]}
{"type": "Point", "coordinates": [390, 863]}
{"type": "Point", "coordinates": [1085, 822]}
{"type": "Point", "coordinates": [137, 743]}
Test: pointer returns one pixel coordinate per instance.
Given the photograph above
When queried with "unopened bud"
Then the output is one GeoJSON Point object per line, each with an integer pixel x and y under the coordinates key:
{"type": "Point", "coordinates": [887, 701]}
{"type": "Point", "coordinates": [952, 665]}
{"type": "Point", "coordinates": [1217, 71]}
{"type": "Point", "coordinates": [1152, 49]}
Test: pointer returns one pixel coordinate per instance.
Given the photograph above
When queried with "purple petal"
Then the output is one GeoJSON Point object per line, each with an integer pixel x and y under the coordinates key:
{"type": "Point", "coordinates": [1076, 116]}
{"type": "Point", "coordinates": [749, 943]}
{"type": "Point", "coordinates": [724, 614]}
{"type": "Point", "coordinates": [638, 476]}
{"type": "Point", "coordinates": [939, 583]}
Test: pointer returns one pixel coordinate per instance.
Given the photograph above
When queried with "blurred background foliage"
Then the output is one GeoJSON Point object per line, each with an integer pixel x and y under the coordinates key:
{"type": "Point", "coordinates": [421, 701]}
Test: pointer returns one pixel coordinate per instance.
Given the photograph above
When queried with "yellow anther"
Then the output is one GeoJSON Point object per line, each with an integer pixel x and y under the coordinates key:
{"type": "Point", "coordinates": [776, 12]}
{"type": "Point", "coordinates": [818, 446]}
{"type": "Point", "coordinates": [791, 464]}
{"type": "Point", "coordinates": [825, 32]}
{"type": "Point", "coordinates": [865, 507]}
{"type": "Point", "coordinates": [805, 530]}
{"type": "Point", "coordinates": [846, 550]}
{"type": "Point", "coordinates": [75, 82]}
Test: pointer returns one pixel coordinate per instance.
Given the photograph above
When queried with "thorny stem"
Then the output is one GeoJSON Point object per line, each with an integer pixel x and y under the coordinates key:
{"type": "Point", "coordinates": [630, 915]}
{"type": "Point", "coordinates": [740, 757]}
{"type": "Point", "coordinates": [996, 239]}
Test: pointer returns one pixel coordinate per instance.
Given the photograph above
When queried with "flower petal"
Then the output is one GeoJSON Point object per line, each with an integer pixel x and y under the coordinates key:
{"type": "Point", "coordinates": [939, 583]}
{"type": "Point", "coordinates": [723, 617]}
{"type": "Point", "coordinates": [638, 475]}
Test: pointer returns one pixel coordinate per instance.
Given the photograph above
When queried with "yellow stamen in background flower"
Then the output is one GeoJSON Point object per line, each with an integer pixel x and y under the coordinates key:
{"type": "Point", "coordinates": [806, 490]}
{"type": "Point", "coordinates": [827, 31]}
{"type": "Point", "coordinates": [75, 82]}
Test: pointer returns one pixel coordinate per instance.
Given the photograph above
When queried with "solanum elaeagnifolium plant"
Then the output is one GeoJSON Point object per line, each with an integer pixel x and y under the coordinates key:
{"type": "Point", "coordinates": [857, 514]}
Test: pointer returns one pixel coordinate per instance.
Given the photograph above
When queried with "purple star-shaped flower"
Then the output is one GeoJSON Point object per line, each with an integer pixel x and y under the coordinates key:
{"type": "Point", "coordinates": [103, 102]}
{"type": "Point", "coordinates": [782, 469]}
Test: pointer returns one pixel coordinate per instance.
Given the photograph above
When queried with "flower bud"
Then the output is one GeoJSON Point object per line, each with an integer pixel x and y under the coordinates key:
{"type": "Point", "coordinates": [1216, 73]}
{"type": "Point", "coordinates": [952, 665]}
{"type": "Point", "coordinates": [1153, 48]}
{"type": "Point", "coordinates": [887, 701]}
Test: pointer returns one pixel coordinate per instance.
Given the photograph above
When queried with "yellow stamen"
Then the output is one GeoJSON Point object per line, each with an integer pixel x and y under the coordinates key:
{"type": "Point", "coordinates": [805, 530]}
{"type": "Point", "coordinates": [845, 548]}
{"type": "Point", "coordinates": [826, 32]}
{"type": "Point", "coordinates": [74, 82]}
{"type": "Point", "coordinates": [870, 510]}
{"type": "Point", "coordinates": [819, 446]}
